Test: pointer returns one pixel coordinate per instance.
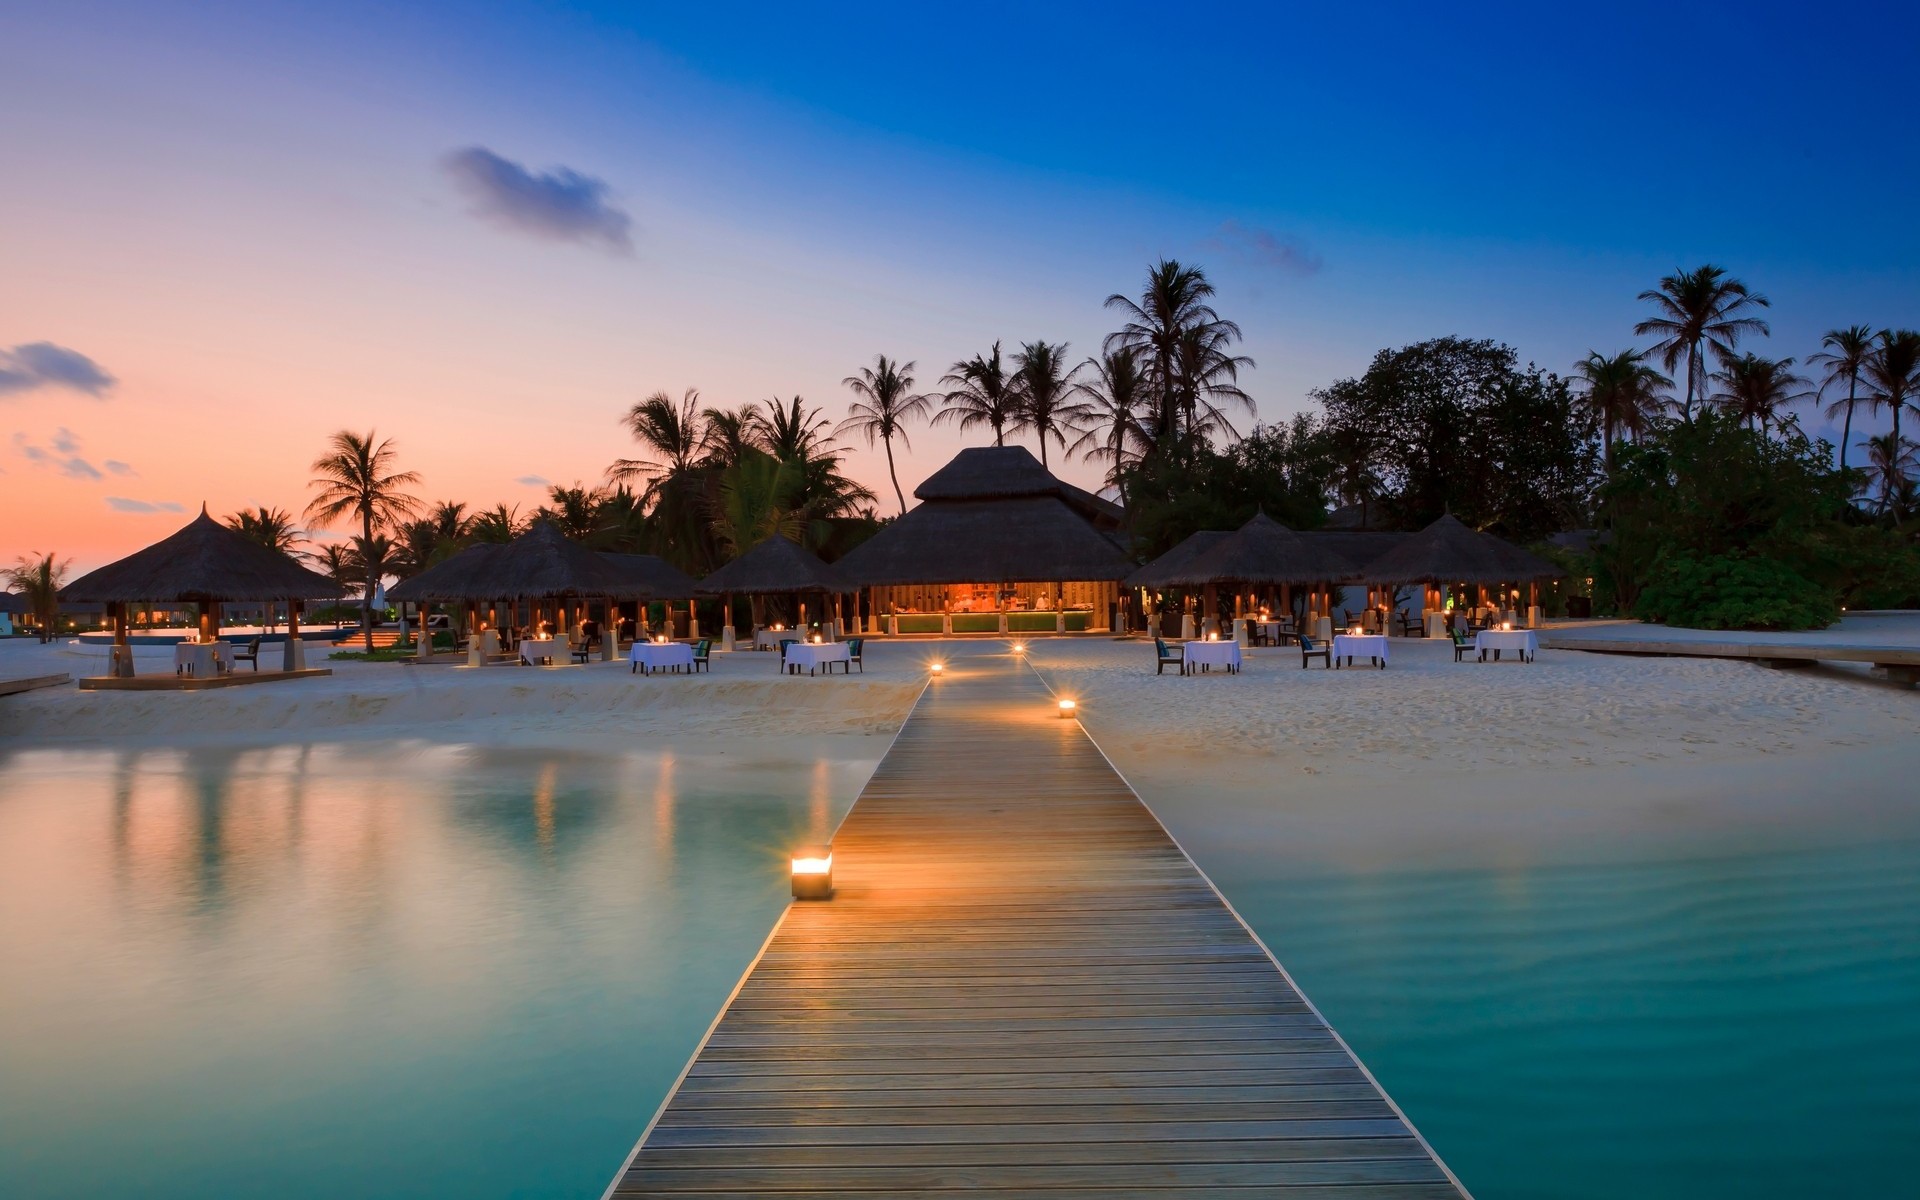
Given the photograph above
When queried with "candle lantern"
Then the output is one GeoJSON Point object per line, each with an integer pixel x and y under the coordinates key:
{"type": "Point", "coordinates": [813, 873]}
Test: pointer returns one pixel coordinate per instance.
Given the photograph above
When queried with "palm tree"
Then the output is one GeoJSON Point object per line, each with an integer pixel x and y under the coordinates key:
{"type": "Point", "coordinates": [673, 434]}
{"type": "Point", "coordinates": [886, 403]}
{"type": "Point", "coordinates": [1892, 463]}
{"type": "Point", "coordinates": [1845, 357]}
{"type": "Point", "coordinates": [728, 433]}
{"type": "Point", "coordinates": [497, 526]}
{"type": "Point", "coordinates": [1208, 377]}
{"type": "Point", "coordinates": [1180, 339]}
{"type": "Point", "coordinates": [982, 395]}
{"type": "Point", "coordinates": [1623, 393]}
{"type": "Point", "coordinates": [269, 527]}
{"type": "Point", "coordinates": [575, 512]}
{"type": "Point", "coordinates": [1046, 394]}
{"type": "Point", "coordinates": [1755, 389]}
{"type": "Point", "coordinates": [335, 561]}
{"type": "Point", "coordinates": [1114, 401]}
{"type": "Point", "coordinates": [792, 430]}
{"type": "Point", "coordinates": [755, 499]}
{"type": "Point", "coordinates": [40, 577]}
{"type": "Point", "coordinates": [356, 477]}
{"type": "Point", "coordinates": [372, 558]}
{"type": "Point", "coordinates": [1699, 308]}
{"type": "Point", "coordinates": [1893, 372]}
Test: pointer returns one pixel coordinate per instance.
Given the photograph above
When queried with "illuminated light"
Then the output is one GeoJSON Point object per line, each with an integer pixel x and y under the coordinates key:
{"type": "Point", "coordinates": [813, 873]}
{"type": "Point", "coordinates": [1067, 708]}
{"type": "Point", "coordinates": [815, 639]}
{"type": "Point", "coordinates": [660, 639]}
{"type": "Point", "coordinates": [1021, 647]}
{"type": "Point", "coordinates": [936, 668]}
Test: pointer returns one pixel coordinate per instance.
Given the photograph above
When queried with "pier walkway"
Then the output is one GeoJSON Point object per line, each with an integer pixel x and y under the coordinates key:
{"type": "Point", "coordinates": [1021, 986]}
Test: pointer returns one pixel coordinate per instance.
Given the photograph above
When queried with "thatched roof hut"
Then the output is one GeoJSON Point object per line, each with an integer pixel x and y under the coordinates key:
{"type": "Point", "coordinates": [15, 603]}
{"type": "Point", "coordinates": [1263, 551]}
{"type": "Point", "coordinates": [540, 564]}
{"type": "Point", "coordinates": [1362, 549]}
{"type": "Point", "coordinates": [204, 563]}
{"type": "Point", "coordinates": [1448, 552]}
{"type": "Point", "coordinates": [1161, 571]}
{"type": "Point", "coordinates": [992, 515]}
{"type": "Point", "coordinates": [776, 565]}
{"type": "Point", "coordinates": [663, 580]}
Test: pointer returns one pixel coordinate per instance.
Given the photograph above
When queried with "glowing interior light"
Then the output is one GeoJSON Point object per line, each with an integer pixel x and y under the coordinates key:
{"type": "Point", "coordinates": [1067, 707]}
{"type": "Point", "coordinates": [936, 668]}
{"type": "Point", "coordinates": [813, 873]}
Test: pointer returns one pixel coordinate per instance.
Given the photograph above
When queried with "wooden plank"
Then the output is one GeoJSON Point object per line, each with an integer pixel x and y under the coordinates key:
{"type": "Point", "coordinates": [1021, 986]}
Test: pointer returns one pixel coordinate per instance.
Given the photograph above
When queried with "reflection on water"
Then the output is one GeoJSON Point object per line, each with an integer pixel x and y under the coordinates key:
{"type": "Point", "coordinates": [370, 970]}
{"type": "Point", "coordinates": [1742, 1026]}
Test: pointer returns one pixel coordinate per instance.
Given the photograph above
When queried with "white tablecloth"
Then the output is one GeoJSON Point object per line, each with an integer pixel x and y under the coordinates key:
{"type": "Point", "coordinates": [770, 639]}
{"type": "Point", "coordinates": [657, 656]}
{"type": "Point", "coordinates": [1522, 640]}
{"type": "Point", "coordinates": [1360, 645]}
{"type": "Point", "coordinates": [811, 656]}
{"type": "Point", "coordinates": [203, 658]}
{"type": "Point", "coordinates": [1213, 654]}
{"type": "Point", "coordinates": [533, 650]}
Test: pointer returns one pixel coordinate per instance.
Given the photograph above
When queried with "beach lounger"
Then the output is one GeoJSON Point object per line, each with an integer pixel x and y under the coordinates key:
{"type": "Point", "coordinates": [1164, 654]}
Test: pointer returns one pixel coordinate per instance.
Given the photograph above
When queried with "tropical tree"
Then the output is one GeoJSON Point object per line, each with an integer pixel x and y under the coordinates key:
{"type": "Point", "coordinates": [1047, 395]}
{"type": "Point", "coordinates": [728, 433]}
{"type": "Point", "coordinates": [40, 577]}
{"type": "Point", "coordinates": [1208, 382]}
{"type": "Point", "coordinates": [1623, 393]}
{"type": "Point", "coordinates": [886, 403]}
{"type": "Point", "coordinates": [757, 498]}
{"type": "Point", "coordinates": [269, 527]}
{"type": "Point", "coordinates": [1755, 389]}
{"type": "Point", "coordinates": [791, 430]}
{"type": "Point", "coordinates": [335, 561]}
{"type": "Point", "coordinates": [372, 558]}
{"type": "Point", "coordinates": [356, 477]}
{"type": "Point", "coordinates": [1702, 309]}
{"type": "Point", "coordinates": [497, 526]}
{"type": "Point", "coordinates": [1183, 346]}
{"type": "Point", "coordinates": [1893, 372]}
{"type": "Point", "coordinates": [983, 394]}
{"type": "Point", "coordinates": [1844, 357]}
{"type": "Point", "coordinates": [673, 436]}
{"type": "Point", "coordinates": [1114, 398]}
{"type": "Point", "coordinates": [1892, 463]}
{"type": "Point", "coordinates": [576, 512]}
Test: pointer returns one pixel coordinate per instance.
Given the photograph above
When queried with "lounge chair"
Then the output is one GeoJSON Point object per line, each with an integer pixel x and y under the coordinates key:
{"type": "Point", "coordinates": [1462, 644]}
{"type": "Point", "coordinates": [1164, 654]}
{"type": "Point", "coordinates": [854, 646]}
{"type": "Point", "coordinates": [1308, 652]}
{"type": "Point", "coordinates": [250, 654]}
{"type": "Point", "coordinates": [702, 650]}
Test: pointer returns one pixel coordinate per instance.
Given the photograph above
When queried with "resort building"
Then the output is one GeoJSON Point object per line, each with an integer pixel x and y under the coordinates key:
{"type": "Point", "coordinates": [997, 544]}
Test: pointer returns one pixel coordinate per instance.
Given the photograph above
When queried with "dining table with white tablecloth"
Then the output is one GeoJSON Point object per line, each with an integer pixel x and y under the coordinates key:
{"type": "Point", "coordinates": [553, 650]}
{"type": "Point", "coordinates": [1349, 646]}
{"type": "Point", "coordinates": [1202, 654]}
{"type": "Point", "coordinates": [815, 656]}
{"type": "Point", "coordinates": [648, 657]}
{"type": "Point", "coordinates": [202, 658]}
{"type": "Point", "coordinates": [770, 639]}
{"type": "Point", "coordinates": [1523, 641]}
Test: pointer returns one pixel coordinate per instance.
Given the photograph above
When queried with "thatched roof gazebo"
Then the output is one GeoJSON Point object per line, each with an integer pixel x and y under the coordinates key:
{"type": "Point", "coordinates": [1263, 553]}
{"type": "Point", "coordinates": [1448, 552]}
{"type": "Point", "coordinates": [777, 565]}
{"type": "Point", "coordinates": [204, 564]}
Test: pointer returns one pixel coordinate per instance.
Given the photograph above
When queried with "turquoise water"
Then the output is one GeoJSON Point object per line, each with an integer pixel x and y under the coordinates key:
{"type": "Point", "coordinates": [369, 970]}
{"type": "Point", "coordinates": [1741, 1026]}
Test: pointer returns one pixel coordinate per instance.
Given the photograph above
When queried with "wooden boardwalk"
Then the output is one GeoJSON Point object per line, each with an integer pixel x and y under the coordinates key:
{"type": "Point", "coordinates": [1022, 986]}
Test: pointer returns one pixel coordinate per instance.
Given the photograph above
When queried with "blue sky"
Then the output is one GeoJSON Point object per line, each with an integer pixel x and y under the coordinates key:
{"type": "Point", "coordinates": [259, 208]}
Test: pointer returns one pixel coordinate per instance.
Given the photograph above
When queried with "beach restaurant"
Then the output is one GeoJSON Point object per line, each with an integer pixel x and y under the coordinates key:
{"type": "Point", "coordinates": [996, 545]}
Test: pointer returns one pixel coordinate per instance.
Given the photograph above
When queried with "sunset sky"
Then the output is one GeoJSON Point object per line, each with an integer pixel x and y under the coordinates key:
{"type": "Point", "coordinates": [228, 230]}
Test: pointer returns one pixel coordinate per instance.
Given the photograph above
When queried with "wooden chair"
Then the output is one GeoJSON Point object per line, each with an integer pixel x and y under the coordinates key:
{"type": "Point", "coordinates": [702, 655]}
{"type": "Point", "coordinates": [1309, 652]}
{"type": "Point", "coordinates": [1164, 654]}
{"type": "Point", "coordinates": [585, 650]}
{"type": "Point", "coordinates": [1411, 626]}
{"type": "Point", "coordinates": [1462, 644]}
{"type": "Point", "coordinates": [250, 654]}
{"type": "Point", "coordinates": [785, 668]}
{"type": "Point", "coordinates": [854, 646]}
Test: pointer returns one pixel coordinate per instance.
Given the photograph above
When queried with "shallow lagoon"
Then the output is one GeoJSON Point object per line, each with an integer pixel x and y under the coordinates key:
{"type": "Point", "coordinates": [370, 969]}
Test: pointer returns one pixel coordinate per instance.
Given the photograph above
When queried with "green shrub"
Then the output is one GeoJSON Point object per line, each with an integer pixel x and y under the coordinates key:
{"type": "Point", "coordinates": [1734, 591]}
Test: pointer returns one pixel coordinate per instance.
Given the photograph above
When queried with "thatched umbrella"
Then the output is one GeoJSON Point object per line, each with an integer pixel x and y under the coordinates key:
{"type": "Point", "coordinates": [540, 565]}
{"type": "Point", "coordinates": [204, 564]}
{"type": "Point", "coordinates": [1261, 553]}
{"type": "Point", "coordinates": [1449, 552]}
{"type": "Point", "coordinates": [776, 565]}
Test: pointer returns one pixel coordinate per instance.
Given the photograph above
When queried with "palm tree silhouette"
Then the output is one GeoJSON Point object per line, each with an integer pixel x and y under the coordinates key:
{"type": "Point", "coordinates": [1892, 463]}
{"type": "Point", "coordinates": [1623, 393]}
{"type": "Point", "coordinates": [40, 577]}
{"type": "Point", "coordinates": [1893, 372]}
{"type": "Point", "coordinates": [1114, 399]}
{"type": "Point", "coordinates": [1045, 392]}
{"type": "Point", "coordinates": [982, 395]}
{"type": "Point", "coordinates": [1755, 389]}
{"type": "Point", "coordinates": [1845, 357]}
{"type": "Point", "coordinates": [1183, 347]}
{"type": "Point", "coordinates": [1699, 309]}
{"type": "Point", "coordinates": [356, 477]}
{"type": "Point", "coordinates": [886, 403]}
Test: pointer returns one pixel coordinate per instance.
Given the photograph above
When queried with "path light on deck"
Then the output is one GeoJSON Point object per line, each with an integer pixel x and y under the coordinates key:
{"type": "Point", "coordinates": [1067, 708]}
{"type": "Point", "coordinates": [936, 666]}
{"type": "Point", "coordinates": [1021, 647]}
{"type": "Point", "coordinates": [813, 873]}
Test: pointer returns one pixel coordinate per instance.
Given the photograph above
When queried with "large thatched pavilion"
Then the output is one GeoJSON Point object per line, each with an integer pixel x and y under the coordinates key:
{"type": "Point", "coordinates": [1448, 554]}
{"type": "Point", "coordinates": [996, 544]}
{"type": "Point", "coordinates": [1256, 560]}
{"type": "Point", "coordinates": [555, 581]}
{"type": "Point", "coordinates": [204, 565]}
{"type": "Point", "coordinates": [778, 566]}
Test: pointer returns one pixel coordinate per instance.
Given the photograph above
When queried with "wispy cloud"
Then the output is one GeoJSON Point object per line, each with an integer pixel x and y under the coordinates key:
{"type": "Point", "coordinates": [126, 505]}
{"type": "Point", "coordinates": [561, 204]}
{"type": "Point", "coordinates": [115, 467]}
{"type": "Point", "coordinates": [62, 454]}
{"type": "Point", "coordinates": [65, 441]}
{"type": "Point", "coordinates": [534, 481]}
{"type": "Point", "coordinates": [80, 468]}
{"type": "Point", "coordinates": [33, 365]}
{"type": "Point", "coordinates": [1265, 248]}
